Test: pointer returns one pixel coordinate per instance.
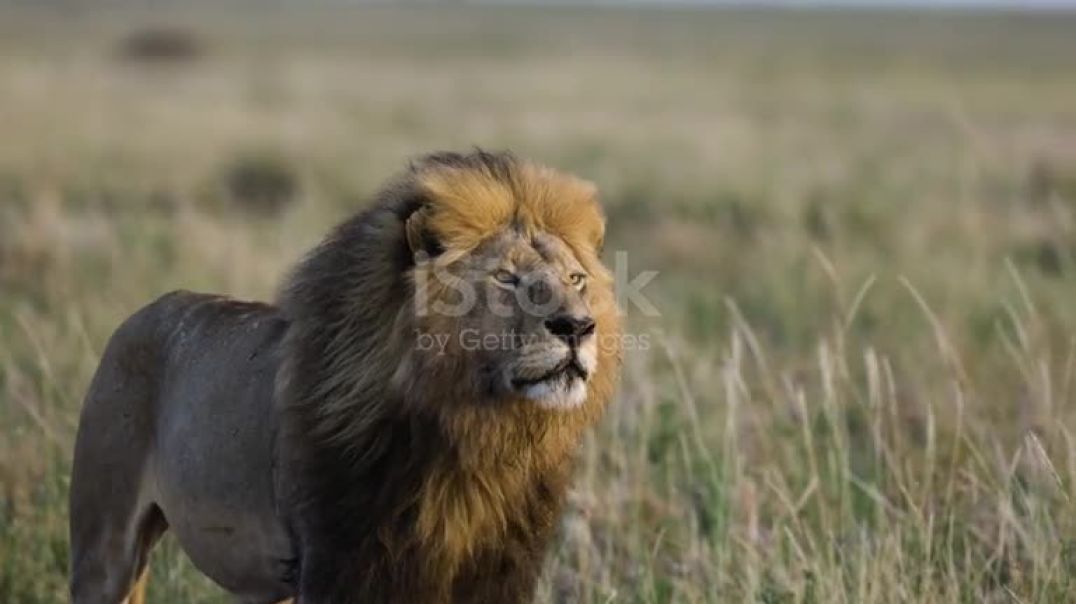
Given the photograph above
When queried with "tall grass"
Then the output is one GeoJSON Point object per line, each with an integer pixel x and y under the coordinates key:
{"type": "Point", "coordinates": [860, 387]}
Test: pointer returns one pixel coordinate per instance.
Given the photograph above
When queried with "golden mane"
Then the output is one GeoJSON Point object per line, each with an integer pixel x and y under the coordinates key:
{"type": "Point", "coordinates": [469, 205]}
{"type": "Point", "coordinates": [466, 207]}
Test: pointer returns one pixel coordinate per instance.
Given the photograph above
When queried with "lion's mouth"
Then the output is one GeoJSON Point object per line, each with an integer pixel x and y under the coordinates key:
{"type": "Point", "coordinates": [568, 369]}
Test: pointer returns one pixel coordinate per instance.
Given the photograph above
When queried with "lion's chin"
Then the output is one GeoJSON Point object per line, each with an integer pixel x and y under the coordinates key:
{"type": "Point", "coordinates": [564, 391]}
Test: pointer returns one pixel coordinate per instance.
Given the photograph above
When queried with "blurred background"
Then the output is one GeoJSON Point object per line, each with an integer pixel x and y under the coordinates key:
{"type": "Point", "coordinates": [860, 384]}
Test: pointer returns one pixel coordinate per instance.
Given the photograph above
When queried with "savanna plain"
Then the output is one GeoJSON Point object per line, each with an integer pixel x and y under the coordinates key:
{"type": "Point", "coordinates": [857, 380]}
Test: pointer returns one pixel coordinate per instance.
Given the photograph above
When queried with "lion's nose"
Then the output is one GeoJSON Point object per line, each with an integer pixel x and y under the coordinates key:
{"type": "Point", "coordinates": [570, 329]}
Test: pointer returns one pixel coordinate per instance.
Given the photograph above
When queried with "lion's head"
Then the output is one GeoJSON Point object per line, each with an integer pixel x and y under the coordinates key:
{"type": "Point", "coordinates": [473, 285]}
{"type": "Point", "coordinates": [511, 301]}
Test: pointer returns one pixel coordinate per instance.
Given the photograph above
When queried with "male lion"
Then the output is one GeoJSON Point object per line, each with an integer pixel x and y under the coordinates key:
{"type": "Point", "coordinates": [399, 428]}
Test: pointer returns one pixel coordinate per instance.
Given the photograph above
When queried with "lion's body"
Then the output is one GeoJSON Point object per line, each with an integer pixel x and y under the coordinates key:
{"type": "Point", "coordinates": [310, 449]}
{"type": "Point", "coordinates": [178, 430]}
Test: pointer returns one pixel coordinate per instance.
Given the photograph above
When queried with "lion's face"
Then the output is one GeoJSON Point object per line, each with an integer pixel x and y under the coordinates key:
{"type": "Point", "coordinates": [537, 327]}
{"type": "Point", "coordinates": [518, 313]}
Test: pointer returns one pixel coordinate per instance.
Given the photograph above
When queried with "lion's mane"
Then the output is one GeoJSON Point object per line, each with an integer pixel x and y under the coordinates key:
{"type": "Point", "coordinates": [392, 484]}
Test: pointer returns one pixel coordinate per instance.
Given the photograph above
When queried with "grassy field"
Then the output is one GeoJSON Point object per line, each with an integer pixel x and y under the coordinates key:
{"type": "Point", "coordinates": [861, 386]}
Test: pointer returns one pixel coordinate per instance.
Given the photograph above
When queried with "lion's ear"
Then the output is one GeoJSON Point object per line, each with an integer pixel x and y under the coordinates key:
{"type": "Point", "coordinates": [420, 239]}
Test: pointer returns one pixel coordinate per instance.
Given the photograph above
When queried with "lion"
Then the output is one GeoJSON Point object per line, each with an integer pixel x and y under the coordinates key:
{"type": "Point", "coordinates": [400, 426]}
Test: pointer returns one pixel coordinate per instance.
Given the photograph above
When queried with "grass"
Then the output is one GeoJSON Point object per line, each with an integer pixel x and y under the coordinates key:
{"type": "Point", "coordinates": [860, 387]}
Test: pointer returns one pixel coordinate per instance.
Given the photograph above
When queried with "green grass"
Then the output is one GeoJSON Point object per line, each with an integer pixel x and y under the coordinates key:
{"type": "Point", "coordinates": [861, 384]}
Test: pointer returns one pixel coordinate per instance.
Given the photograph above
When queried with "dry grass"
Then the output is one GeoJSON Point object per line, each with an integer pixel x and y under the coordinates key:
{"type": "Point", "coordinates": [860, 388]}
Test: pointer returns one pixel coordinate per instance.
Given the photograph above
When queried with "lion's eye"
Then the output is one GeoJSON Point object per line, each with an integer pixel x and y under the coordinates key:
{"type": "Point", "coordinates": [505, 277]}
{"type": "Point", "coordinates": [578, 279]}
